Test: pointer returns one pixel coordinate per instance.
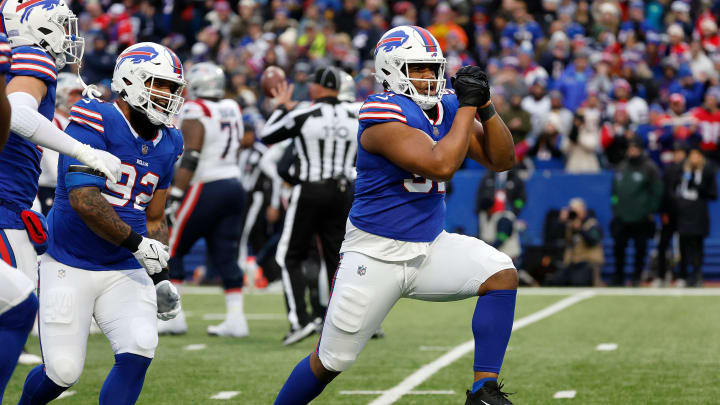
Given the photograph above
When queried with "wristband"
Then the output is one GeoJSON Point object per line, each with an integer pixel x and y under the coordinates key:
{"type": "Point", "coordinates": [132, 242]}
{"type": "Point", "coordinates": [159, 277]}
{"type": "Point", "coordinates": [486, 113]}
{"type": "Point", "coordinates": [190, 159]}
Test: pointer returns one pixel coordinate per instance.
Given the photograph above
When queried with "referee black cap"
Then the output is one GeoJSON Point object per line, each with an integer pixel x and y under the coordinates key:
{"type": "Point", "coordinates": [328, 77]}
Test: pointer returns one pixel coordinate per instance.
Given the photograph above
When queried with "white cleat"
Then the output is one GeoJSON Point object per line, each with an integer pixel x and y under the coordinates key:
{"type": "Point", "coordinates": [29, 359]}
{"type": "Point", "coordinates": [232, 327]}
{"type": "Point", "coordinates": [175, 326]}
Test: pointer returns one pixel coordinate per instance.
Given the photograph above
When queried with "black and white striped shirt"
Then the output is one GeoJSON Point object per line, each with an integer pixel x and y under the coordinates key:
{"type": "Point", "coordinates": [325, 136]}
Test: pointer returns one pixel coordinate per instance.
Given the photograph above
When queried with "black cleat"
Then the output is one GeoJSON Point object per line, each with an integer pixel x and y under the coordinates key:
{"type": "Point", "coordinates": [490, 394]}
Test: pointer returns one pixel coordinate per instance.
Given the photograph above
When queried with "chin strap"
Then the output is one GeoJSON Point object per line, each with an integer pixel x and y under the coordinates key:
{"type": "Point", "coordinates": [89, 91]}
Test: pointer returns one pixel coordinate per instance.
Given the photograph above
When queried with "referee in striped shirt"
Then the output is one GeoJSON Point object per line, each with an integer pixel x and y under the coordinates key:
{"type": "Point", "coordinates": [325, 138]}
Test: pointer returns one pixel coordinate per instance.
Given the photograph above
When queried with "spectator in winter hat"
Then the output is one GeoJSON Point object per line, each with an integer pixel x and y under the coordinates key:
{"type": "Point", "coordinates": [530, 70]}
{"type": "Point", "coordinates": [700, 64]}
{"type": "Point", "coordinates": [688, 87]}
{"type": "Point", "coordinates": [636, 107]}
{"type": "Point", "coordinates": [680, 15]}
{"type": "Point", "coordinates": [405, 14]}
{"type": "Point", "coordinates": [574, 80]}
{"type": "Point", "coordinates": [444, 24]}
{"type": "Point", "coordinates": [537, 103]}
{"type": "Point", "coordinates": [678, 47]}
{"type": "Point", "coordinates": [709, 35]}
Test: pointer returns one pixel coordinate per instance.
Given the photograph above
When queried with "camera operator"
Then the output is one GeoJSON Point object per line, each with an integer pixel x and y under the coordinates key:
{"type": "Point", "coordinates": [583, 255]}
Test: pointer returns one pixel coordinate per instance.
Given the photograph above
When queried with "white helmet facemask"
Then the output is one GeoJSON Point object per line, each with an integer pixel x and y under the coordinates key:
{"type": "Point", "coordinates": [48, 24]}
{"type": "Point", "coordinates": [140, 71]}
{"type": "Point", "coordinates": [402, 47]}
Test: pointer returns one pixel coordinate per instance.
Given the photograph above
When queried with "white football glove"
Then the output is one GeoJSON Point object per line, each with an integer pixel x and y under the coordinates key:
{"type": "Point", "coordinates": [152, 255]}
{"type": "Point", "coordinates": [100, 160]}
{"type": "Point", "coordinates": [174, 201]}
{"type": "Point", "coordinates": [168, 300]}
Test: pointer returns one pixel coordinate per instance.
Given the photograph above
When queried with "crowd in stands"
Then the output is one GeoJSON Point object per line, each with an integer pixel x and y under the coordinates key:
{"type": "Point", "coordinates": [575, 80]}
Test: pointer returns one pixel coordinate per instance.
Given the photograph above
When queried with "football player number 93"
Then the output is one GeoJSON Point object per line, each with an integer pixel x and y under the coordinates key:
{"type": "Point", "coordinates": [124, 190]}
{"type": "Point", "coordinates": [419, 184]}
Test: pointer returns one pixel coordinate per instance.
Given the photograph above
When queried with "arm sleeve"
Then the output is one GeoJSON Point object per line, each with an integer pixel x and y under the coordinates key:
{"type": "Point", "coordinates": [74, 180]}
{"type": "Point", "coordinates": [27, 122]}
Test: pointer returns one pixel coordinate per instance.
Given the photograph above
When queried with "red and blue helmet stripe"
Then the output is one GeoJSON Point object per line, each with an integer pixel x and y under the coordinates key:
{"type": "Point", "coordinates": [430, 42]}
{"type": "Point", "coordinates": [177, 65]}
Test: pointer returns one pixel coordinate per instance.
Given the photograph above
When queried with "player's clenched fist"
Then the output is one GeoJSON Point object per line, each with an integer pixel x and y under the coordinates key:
{"type": "Point", "coordinates": [472, 86]}
{"type": "Point", "coordinates": [152, 255]}
{"type": "Point", "coordinates": [5, 54]}
{"type": "Point", "coordinates": [168, 300]}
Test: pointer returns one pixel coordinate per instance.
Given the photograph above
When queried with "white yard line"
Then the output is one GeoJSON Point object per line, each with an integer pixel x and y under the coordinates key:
{"type": "Point", "coordinates": [195, 347]}
{"type": "Point", "coordinates": [378, 392]}
{"type": "Point", "coordinates": [565, 394]}
{"type": "Point", "coordinates": [390, 396]}
{"type": "Point", "coordinates": [225, 395]}
{"type": "Point", "coordinates": [606, 347]}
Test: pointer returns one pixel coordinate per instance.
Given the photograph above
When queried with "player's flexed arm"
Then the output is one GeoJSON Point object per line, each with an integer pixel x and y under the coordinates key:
{"type": "Point", "coordinates": [415, 151]}
{"type": "Point", "coordinates": [492, 143]}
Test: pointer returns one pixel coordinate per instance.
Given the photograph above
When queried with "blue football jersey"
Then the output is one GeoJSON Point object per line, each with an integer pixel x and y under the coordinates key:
{"type": "Point", "coordinates": [390, 201]}
{"type": "Point", "coordinates": [20, 159]}
{"type": "Point", "coordinates": [147, 165]}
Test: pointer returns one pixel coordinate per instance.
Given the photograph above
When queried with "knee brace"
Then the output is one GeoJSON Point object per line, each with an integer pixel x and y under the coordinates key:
{"type": "Point", "coordinates": [64, 369]}
{"type": "Point", "coordinates": [338, 351]}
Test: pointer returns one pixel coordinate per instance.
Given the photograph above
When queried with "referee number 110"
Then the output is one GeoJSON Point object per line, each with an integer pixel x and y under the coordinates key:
{"type": "Point", "coordinates": [419, 184]}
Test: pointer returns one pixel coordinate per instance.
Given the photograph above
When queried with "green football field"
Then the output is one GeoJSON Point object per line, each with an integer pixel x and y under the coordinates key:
{"type": "Point", "coordinates": [662, 347]}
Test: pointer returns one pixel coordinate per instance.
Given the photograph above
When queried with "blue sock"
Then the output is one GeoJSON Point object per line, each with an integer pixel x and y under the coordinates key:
{"type": "Point", "coordinates": [39, 389]}
{"type": "Point", "coordinates": [479, 383]}
{"type": "Point", "coordinates": [301, 387]}
{"type": "Point", "coordinates": [491, 324]}
{"type": "Point", "coordinates": [15, 325]}
{"type": "Point", "coordinates": [125, 381]}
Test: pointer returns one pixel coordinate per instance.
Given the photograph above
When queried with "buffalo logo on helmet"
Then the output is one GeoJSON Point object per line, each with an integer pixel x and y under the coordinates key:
{"type": "Point", "coordinates": [31, 5]}
{"type": "Point", "coordinates": [137, 55]}
{"type": "Point", "coordinates": [391, 41]}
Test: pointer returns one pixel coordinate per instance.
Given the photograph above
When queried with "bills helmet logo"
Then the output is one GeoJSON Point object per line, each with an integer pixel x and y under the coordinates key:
{"type": "Point", "coordinates": [28, 6]}
{"type": "Point", "coordinates": [137, 55]}
{"type": "Point", "coordinates": [177, 66]}
{"type": "Point", "coordinates": [391, 42]}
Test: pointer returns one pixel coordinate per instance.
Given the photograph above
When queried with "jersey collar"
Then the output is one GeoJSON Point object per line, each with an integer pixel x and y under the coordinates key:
{"type": "Point", "coordinates": [440, 114]}
{"type": "Point", "coordinates": [155, 141]}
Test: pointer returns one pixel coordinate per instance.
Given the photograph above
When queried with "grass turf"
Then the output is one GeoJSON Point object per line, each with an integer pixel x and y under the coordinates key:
{"type": "Point", "coordinates": [667, 353]}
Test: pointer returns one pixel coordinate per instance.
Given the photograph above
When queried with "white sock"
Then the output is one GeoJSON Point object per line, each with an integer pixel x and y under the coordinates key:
{"type": "Point", "coordinates": [234, 303]}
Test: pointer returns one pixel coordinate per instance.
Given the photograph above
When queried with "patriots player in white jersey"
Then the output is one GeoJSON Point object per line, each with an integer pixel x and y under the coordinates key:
{"type": "Point", "coordinates": [411, 140]}
{"type": "Point", "coordinates": [207, 199]}
{"type": "Point", "coordinates": [107, 243]}
{"type": "Point", "coordinates": [18, 304]}
{"type": "Point", "coordinates": [43, 37]}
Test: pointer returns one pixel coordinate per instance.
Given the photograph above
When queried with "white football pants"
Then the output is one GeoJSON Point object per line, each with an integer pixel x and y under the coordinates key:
{"type": "Point", "coordinates": [365, 289]}
{"type": "Point", "coordinates": [122, 301]}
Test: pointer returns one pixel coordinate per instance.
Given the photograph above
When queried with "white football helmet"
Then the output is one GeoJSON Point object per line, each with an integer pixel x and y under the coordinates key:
{"type": "Point", "coordinates": [405, 45]}
{"type": "Point", "coordinates": [136, 70]}
{"type": "Point", "coordinates": [206, 80]}
{"type": "Point", "coordinates": [48, 24]}
{"type": "Point", "coordinates": [347, 87]}
{"type": "Point", "coordinates": [66, 84]}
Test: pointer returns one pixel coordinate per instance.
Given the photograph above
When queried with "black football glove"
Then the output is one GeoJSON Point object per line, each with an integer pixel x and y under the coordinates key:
{"type": "Point", "coordinates": [472, 86]}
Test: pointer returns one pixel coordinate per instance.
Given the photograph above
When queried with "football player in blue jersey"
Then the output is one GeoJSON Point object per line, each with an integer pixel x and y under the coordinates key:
{"type": "Point", "coordinates": [18, 304]}
{"type": "Point", "coordinates": [107, 244]}
{"type": "Point", "coordinates": [43, 37]}
{"type": "Point", "coordinates": [412, 139]}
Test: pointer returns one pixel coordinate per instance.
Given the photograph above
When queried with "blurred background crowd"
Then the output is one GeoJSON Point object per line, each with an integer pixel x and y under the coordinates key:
{"type": "Point", "coordinates": [585, 87]}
